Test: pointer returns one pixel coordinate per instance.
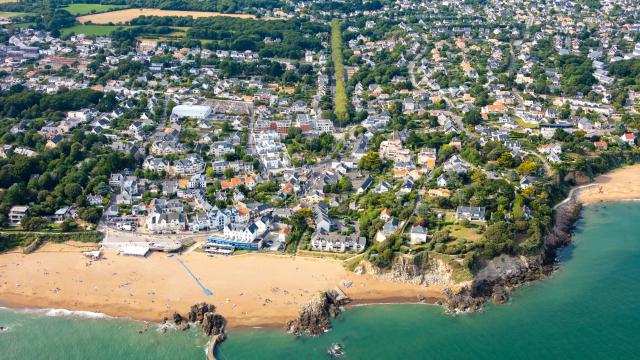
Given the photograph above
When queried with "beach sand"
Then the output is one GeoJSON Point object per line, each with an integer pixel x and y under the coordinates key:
{"type": "Point", "coordinates": [249, 290]}
{"type": "Point", "coordinates": [620, 184]}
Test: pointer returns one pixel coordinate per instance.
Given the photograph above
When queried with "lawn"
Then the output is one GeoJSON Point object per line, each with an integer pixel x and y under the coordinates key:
{"type": "Point", "coordinates": [525, 124]}
{"type": "Point", "coordinates": [461, 232]}
{"type": "Point", "coordinates": [92, 30]}
{"type": "Point", "coordinates": [85, 9]}
{"type": "Point", "coordinates": [12, 14]}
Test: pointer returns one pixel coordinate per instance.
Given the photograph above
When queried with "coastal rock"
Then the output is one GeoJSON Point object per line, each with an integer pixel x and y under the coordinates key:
{"type": "Point", "coordinates": [314, 317]}
{"type": "Point", "coordinates": [197, 311]}
{"type": "Point", "coordinates": [213, 324]}
{"type": "Point", "coordinates": [177, 318]}
{"type": "Point", "coordinates": [499, 295]}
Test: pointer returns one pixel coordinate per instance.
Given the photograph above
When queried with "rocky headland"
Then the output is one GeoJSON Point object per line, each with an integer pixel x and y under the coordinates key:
{"type": "Point", "coordinates": [315, 315]}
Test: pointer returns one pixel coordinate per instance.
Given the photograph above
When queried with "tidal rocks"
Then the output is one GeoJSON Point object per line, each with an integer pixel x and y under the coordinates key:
{"type": "Point", "coordinates": [315, 315]}
{"type": "Point", "coordinates": [213, 324]}
{"type": "Point", "coordinates": [197, 311]}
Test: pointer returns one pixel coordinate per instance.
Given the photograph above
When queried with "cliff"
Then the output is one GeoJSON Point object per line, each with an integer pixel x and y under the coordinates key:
{"type": "Point", "coordinates": [419, 269]}
{"type": "Point", "coordinates": [503, 273]}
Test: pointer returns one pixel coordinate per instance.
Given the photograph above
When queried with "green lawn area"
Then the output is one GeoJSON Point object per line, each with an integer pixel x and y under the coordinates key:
{"type": "Point", "coordinates": [12, 14]}
{"type": "Point", "coordinates": [85, 9]}
{"type": "Point", "coordinates": [525, 124]}
{"type": "Point", "coordinates": [92, 30]}
{"type": "Point", "coordinates": [461, 232]}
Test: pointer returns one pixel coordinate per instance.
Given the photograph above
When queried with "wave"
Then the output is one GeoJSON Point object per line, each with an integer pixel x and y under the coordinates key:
{"type": "Point", "coordinates": [65, 313]}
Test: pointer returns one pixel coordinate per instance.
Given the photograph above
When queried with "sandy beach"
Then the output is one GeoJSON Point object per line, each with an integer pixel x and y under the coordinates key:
{"type": "Point", "coordinates": [249, 290]}
{"type": "Point", "coordinates": [620, 184]}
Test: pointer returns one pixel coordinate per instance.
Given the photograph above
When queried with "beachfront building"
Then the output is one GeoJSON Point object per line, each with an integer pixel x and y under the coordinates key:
{"type": "Point", "coordinates": [17, 213]}
{"type": "Point", "coordinates": [337, 243]}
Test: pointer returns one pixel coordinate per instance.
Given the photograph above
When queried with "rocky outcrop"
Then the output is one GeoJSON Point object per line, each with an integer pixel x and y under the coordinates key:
{"type": "Point", "coordinates": [212, 324]}
{"type": "Point", "coordinates": [404, 269]}
{"type": "Point", "coordinates": [315, 315]}
{"type": "Point", "coordinates": [503, 273]}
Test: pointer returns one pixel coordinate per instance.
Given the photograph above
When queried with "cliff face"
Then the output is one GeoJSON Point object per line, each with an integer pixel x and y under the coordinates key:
{"type": "Point", "coordinates": [403, 269]}
{"type": "Point", "coordinates": [506, 271]}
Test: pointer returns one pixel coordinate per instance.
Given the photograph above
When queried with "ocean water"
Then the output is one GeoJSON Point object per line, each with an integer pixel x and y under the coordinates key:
{"type": "Point", "coordinates": [589, 309]}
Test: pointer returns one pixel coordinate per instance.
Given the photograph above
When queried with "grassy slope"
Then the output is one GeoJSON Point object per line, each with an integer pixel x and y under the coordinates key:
{"type": "Point", "coordinates": [338, 63]}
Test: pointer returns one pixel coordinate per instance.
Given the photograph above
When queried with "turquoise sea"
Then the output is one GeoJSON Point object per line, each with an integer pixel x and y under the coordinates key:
{"type": "Point", "coordinates": [589, 309]}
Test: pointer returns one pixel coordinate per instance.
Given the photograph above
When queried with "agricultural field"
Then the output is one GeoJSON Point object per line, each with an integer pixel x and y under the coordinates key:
{"type": "Point", "coordinates": [92, 30]}
{"type": "Point", "coordinates": [11, 14]}
{"type": "Point", "coordinates": [85, 9]}
{"type": "Point", "coordinates": [124, 16]}
{"type": "Point", "coordinates": [7, 1]}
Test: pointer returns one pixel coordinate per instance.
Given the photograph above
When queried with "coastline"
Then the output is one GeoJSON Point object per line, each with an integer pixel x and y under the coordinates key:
{"type": "Point", "coordinates": [254, 290]}
{"type": "Point", "coordinates": [57, 276]}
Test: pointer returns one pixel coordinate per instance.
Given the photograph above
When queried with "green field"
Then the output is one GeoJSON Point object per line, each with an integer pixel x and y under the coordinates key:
{"type": "Point", "coordinates": [92, 30]}
{"type": "Point", "coordinates": [340, 100]}
{"type": "Point", "coordinates": [85, 9]}
{"type": "Point", "coordinates": [11, 14]}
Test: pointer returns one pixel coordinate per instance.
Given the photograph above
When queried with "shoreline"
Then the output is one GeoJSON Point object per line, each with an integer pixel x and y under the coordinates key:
{"type": "Point", "coordinates": [57, 276]}
{"type": "Point", "coordinates": [148, 289]}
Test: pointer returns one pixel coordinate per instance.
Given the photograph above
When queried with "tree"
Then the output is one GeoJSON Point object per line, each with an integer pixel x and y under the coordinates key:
{"type": "Point", "coordinates": [472, 117]}
{"type": "Point", "coordinates": [32, 223]}
{"type": "Point", "coordinates": [91, 215]}
{"type": "Point", "coordinates": [528, 167]}
{"type": "Point", "coordinates": [228, 173]}
{"type": "Point", "coordinates": [498, 239]}
{"type": "Point", "coordinates": [68, 225]}
{"type": "Point", "coordinates": [371, 162]}
{"type": "Point", "coordinates": [506, 160]}
{"type": "Point", "coordinates": [72, 191]}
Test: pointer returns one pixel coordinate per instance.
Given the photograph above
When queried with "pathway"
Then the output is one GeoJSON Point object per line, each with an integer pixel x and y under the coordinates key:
{"type": "Point", "coordinates": [204, 289]}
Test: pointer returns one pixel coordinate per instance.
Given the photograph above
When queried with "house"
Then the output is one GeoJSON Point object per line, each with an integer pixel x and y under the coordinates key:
{"type": "Point", "coordinates": [390, 227]}
{"type": "Point", "coordinates": [526, 182]}
{"type": "Point", "coordinates": [629, 139]}
{"type": "Point", "coordinates": [17, 213]}
{"type": "Point", "coordinates": [365, 185]}
{"type": "Point", "coordinates": [427, 157]}
{"type": "Point", "coordinates": [470, 213]}
{"type": "Point", "coordinates": [442, 181]}
{"type": "Point", "coordinates": [417, 235]}
{"type": "Point", "coordinates": [322, 219]}
{"type": "Point", "coordinates": [456, 164]}
{"type": "Point", "coordinates": [337, 242]}
{"type": "Point", "coordinates": [95, 200]}
{"type": "Point", "coordinates": [600, 145]}
{"type": "Point", "coordinates": [54, 141]}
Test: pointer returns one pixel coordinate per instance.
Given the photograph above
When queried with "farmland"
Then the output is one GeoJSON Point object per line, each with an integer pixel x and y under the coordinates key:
{"type": "Point", "coordinates": [92, 30]}
{"type": "Point", "coordinates": [124, 16]}
{"type": "Point", "coordinates": [85, 9]}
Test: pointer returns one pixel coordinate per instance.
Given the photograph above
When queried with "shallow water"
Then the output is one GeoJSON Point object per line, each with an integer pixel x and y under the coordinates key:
{"type": "Point", "coordinates": [589, 309]}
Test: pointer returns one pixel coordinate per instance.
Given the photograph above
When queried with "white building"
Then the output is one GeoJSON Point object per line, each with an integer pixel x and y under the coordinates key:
{"type": "Point", "coordinates": [191, 111]}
